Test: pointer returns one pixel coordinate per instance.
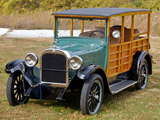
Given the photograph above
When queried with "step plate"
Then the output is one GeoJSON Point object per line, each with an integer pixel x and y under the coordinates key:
{"type": "Point", "coordinates": [117, 87]}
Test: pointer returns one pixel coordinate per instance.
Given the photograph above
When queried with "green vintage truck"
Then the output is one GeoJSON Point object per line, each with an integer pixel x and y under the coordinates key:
{"type": "Point", "coordinates": [104, 58]}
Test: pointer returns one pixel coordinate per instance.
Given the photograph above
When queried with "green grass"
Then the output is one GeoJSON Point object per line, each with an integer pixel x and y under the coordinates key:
{"type": "Point", "coordinates": [129, 104]}
{"type": "Point", "coordinates": [16, 39]}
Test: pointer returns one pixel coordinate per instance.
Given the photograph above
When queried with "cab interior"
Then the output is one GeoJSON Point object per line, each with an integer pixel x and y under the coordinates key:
{"type": "Point", "coordinates": [98, 34]}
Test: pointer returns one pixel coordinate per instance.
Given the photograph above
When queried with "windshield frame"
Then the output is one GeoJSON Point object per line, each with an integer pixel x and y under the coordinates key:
{"type": "Point", "coordinates": [82, 26]}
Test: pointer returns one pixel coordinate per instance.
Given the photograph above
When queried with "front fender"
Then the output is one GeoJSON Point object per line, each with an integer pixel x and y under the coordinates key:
{"type": "Point", "coordinates": [13, 66]}
{"type": "Point", "coordinates": [87, 71]}
{"type": "Point", "coordinates": [30, 74]}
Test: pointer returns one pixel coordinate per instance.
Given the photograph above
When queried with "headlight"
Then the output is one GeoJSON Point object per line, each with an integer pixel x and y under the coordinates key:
{"type": "Point", "coordinates": [76, 62]}
{"type": "Point", "coordinates": [31, 59]}
{"type": "Point", "coordinates": [116, 34]}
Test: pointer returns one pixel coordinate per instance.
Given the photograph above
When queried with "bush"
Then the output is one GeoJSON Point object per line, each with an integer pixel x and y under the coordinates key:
{"type": "Point", "coordinates": [18, 6]}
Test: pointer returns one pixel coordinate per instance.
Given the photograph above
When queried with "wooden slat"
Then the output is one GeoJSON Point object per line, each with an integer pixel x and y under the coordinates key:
{"type": "Point", "coordinates": [80, 16]}
{"type": "Point", "coordinates": [125, 63]}
{"type": "Point", "coordinates": [122, 40]}
{"type": "Point", "coordinates": [140, 46]}
{"type": "Point", "coordinates": [100, 23]}
{"type": "Point", "coordinates": [126, 50]}
{"type": "Point", "coordinates": [71, 27]}
{"type": "Point", "coordinates": [149, 20]}
{"type": "Point", "coordinates": [108, 30]}
{"type": "Point", "coordinates": [148, 35]}
{"type": "Point", "coordinates": [140, 39]}
{"type": "Point", "coordinates": [131, 43]}
{"type": "Point", "coordinates": [113, 60]}
{"type": "Point", "coordinates": [54, 25]}
{"type": "Point", "coordinates": [119, 61]}
{"type": "Point", "coordinates": [132, 13]}
{"type": "Point", "coordinates": [82, 26]}
{"type": "Point", "coordinates": [113, 53]}
{"type": "Point", "coordinates": [140, 34]}
{"type": "Point", "coordinates": [113, 67]}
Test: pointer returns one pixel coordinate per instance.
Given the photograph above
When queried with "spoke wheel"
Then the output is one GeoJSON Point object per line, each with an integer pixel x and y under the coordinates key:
{"type": "Point", "coordinates": [92, 95]}
{"type": "Point", "coordinates": [15, 91]}
{"type": "Point", "coordinates": [143, 76]}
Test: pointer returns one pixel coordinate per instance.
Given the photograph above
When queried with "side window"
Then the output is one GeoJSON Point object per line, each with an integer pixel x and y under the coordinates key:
{"type": "Point", "coordinates": [115, 24]}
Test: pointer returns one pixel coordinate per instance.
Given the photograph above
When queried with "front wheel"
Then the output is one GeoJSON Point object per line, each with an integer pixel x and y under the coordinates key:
{"type": "Point", "coordinates": [15, 91]}
{"type": "Point", "coordinates": [143, 76]}
{"type": "Point", "coordinates": [92, 95]}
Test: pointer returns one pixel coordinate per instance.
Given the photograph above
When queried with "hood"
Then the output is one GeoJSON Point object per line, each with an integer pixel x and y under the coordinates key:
{"type": "Point", "coordinates": [79, 46]}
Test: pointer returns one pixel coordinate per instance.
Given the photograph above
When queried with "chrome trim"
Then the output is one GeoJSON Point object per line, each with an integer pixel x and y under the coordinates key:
{"type": "Point", "coordinates": [81, 60]}
{"type": "Point", "coordinates": [52, 83]}
{"type": "Point", "coordinates": [36, 57]}
{"type": "Point", "coordinates": [61, 52]}
{"type": "Point", "coordinates": [55, 42]}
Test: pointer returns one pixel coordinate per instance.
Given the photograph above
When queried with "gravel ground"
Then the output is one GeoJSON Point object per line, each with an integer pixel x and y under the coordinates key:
{"type": "Point", "coordinates": [35, 33]}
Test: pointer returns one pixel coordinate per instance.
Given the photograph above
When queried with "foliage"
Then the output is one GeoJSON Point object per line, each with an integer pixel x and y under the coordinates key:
{"type": "Point", "coordinates": [22, 6]}
{"type": "Point", "coordinates": [147, 4]}
{"type": "Point", "coordinates": [19, 6]}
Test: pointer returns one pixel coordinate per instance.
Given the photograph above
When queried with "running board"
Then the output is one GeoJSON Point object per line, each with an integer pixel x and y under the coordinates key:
{"type": "Point", "coordinates": [119, 86]}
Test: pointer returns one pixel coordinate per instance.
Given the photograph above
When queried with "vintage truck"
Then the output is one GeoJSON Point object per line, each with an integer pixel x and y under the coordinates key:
{"type": "Point", "coordinates": [102, 59]}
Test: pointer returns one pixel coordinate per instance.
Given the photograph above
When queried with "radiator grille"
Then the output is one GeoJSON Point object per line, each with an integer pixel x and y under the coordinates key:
{"type": "Point", "coordinates": [54, 68]}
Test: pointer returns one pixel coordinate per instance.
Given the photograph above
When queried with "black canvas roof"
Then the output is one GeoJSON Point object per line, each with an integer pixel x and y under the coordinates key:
{"type": "Point", "coordinates": [104, 12]}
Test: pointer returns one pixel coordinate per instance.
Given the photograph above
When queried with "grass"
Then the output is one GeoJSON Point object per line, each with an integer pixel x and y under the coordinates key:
{"type": "Point", "coordinates": [128, 104]}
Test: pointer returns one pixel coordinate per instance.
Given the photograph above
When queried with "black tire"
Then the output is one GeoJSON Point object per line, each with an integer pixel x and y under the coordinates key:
{"type": "Point", "coordinates": [92, 95]}
{"type": "Point", "coordinates": [143, 76]}
{"type": "Point", "coordinates": [14, 90]}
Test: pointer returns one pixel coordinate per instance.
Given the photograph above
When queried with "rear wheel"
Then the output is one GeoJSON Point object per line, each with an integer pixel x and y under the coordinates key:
{"type": "Point", "coordinates": [92, 95]}
{"type": "Point", "coordinates": [15, 91]}
{"type": "Point", "coordinates": [143, 76]}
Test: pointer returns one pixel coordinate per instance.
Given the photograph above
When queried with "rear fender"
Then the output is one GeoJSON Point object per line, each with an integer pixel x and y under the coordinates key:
{"type": "Point", "coordinates": [148, 57]}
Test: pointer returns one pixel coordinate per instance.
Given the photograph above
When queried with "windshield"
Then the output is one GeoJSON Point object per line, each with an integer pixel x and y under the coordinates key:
{"type": "Point", "coordinates": [78, 27]}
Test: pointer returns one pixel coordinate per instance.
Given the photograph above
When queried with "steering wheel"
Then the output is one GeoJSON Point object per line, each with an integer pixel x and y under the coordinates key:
{"type": "Point", "coordinates": [95, 35]}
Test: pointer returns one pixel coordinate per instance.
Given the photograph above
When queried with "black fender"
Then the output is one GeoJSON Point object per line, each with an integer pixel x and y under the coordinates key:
{"type": "Point", "coordinates": [138, 59]}
{"type": "Point", "coordinates": [148, 57]}
{"type": "Point", "coordinates": [85, 72]}
{"type": "Point", "coordinates": [13, 66]}
{"type": "Point", "coordinates": [31, 81]}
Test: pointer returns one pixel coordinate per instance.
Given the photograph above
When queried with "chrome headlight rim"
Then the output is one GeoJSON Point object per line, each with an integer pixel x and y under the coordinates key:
{"type": "Point", "coordinates": [116, 33]}
{"type": "Point", "coordinates": [34, 61]}
{"type": "Point", "coordinates": [79, 65]}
